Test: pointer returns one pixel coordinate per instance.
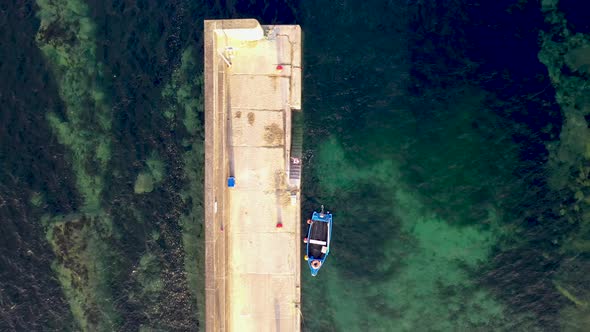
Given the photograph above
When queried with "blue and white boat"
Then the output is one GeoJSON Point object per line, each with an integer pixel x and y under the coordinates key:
{"type": "Point", "coordinates": [318, 240]}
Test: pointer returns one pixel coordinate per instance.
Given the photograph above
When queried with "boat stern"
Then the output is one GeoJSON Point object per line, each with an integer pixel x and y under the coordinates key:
{"type": "Point", "coordinates": [314, 266]}
{"type": "Point", "coordinates": [314, 272]}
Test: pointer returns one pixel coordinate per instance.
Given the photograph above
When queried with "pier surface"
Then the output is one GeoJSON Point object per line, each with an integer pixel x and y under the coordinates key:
{"type": "Point", "coordinates": [252, 84]}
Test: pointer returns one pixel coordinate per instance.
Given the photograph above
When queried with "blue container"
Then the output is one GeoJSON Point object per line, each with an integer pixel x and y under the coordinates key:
{"type": "Point", "coordinates": [231, 182]}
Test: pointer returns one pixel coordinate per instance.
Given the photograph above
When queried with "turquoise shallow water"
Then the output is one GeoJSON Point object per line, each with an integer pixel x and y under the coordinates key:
{"type": "Point", "coordinates": [448, 139]}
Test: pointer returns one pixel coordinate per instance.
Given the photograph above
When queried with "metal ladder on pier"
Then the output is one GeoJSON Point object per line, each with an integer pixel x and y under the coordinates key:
{"type": "Point", "coordinates": [296, 147]}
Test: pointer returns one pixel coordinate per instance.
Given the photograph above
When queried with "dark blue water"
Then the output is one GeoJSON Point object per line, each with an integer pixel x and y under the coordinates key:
{"type": "Point", "coordinates": [448, 139]}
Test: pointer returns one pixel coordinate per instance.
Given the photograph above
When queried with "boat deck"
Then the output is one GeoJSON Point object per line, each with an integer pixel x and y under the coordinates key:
{"type": "Point", "coordinates": [319, 231]}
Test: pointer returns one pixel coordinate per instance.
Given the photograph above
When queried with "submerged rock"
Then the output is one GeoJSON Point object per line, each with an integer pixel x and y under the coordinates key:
{"type": "Point", "coordinates": [144, 183]}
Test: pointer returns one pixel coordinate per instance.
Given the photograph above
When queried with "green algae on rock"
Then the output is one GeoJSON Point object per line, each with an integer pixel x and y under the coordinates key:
{"type": "Point", "coordinates": [184, 105]}
{"type": "Point", "coordinates": [151, 177]}
{"type": "Point", "coordinates": [80, 241]}
{"type": "Point", "coordinates": [144, 183]}
{"type": "Point", "coordinates": [67, 38]}
{"type": "Point", "coordinates": [562, 49]}
{"type": "Point", "coordinates": [82, 267]}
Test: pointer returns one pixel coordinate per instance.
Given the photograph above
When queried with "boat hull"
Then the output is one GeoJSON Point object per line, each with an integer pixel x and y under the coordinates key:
{"type": "Point", "coordinates": [318, 240]}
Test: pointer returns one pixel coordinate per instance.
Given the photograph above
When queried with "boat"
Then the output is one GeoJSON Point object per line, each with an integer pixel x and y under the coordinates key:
{"type": "Point", "coordinates": [318, 240]}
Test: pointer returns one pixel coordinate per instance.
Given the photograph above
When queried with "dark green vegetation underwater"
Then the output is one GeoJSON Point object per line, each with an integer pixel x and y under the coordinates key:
{"type": "Point", "coordinates": [450, 139]}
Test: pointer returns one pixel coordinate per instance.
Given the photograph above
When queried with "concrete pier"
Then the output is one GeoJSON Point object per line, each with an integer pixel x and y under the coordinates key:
{"type": "Point", "coordinates": [252, 84]}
